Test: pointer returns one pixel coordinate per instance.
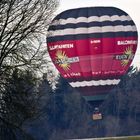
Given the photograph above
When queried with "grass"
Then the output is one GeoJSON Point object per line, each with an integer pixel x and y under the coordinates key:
{"type": "Point", "coordinates": [114, 138]}
{"type": "Point", "coordinates": [122, 138]}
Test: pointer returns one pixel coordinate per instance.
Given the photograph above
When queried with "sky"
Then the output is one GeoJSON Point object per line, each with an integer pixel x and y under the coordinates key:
{"type": "Point", "coordinates": [132, 7]}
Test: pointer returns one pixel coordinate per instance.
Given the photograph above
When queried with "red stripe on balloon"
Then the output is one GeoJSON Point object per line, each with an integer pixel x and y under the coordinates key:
{"type": "Point", "coordinates": [92, 58]}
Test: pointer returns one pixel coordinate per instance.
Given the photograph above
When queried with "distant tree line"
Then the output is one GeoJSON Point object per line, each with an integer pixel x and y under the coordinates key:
{"type": "Point", "coordinates": [66, 115]}
{"type": "Point", "coordinates": [30, 104]}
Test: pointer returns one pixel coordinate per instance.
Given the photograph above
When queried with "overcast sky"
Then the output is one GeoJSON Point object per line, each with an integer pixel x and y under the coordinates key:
{"type": "Point", "coordinates": [132, 7]}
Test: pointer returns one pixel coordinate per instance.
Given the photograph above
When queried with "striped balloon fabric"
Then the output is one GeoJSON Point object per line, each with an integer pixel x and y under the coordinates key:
{"type": "Point", "coordinates": [92, 48]}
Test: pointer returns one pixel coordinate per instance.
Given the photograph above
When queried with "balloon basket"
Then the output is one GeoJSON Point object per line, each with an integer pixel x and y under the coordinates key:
{"type": "Point", "coordinates": [97, 115]}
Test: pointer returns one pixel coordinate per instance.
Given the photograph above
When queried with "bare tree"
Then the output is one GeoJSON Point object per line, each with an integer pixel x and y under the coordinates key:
{"type": "Point", "coordinates": [22, 26]}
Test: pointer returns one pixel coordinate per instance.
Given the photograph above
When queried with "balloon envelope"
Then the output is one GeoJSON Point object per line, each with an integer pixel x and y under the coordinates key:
{"type": "Point", "coordinates": [92, 48]}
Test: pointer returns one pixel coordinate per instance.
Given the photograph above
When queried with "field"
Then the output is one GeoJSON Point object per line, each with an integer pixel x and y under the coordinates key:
{"type": "Point", "coordinates": [115, 138]}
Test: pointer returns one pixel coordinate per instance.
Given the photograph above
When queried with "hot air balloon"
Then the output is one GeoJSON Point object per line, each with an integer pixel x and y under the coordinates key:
{"type": "Point", "coordinates": [92, 48]}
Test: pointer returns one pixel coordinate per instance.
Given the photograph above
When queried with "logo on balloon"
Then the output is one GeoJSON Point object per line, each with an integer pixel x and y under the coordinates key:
{"type": "Point", "coordinates": [64, 61]}
{"type": "Point", "coordinates": [130, 55]}
{"type": "Point", "coordinates": [126, 56]}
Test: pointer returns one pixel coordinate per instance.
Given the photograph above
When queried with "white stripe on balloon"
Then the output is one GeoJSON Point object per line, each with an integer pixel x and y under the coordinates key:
{"type": "Point", "coordinates": [83, 30]}
{"type": "Point", "coordinates": [95, 83]}
{"type": "Point", "coordinates": [91, 19]}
